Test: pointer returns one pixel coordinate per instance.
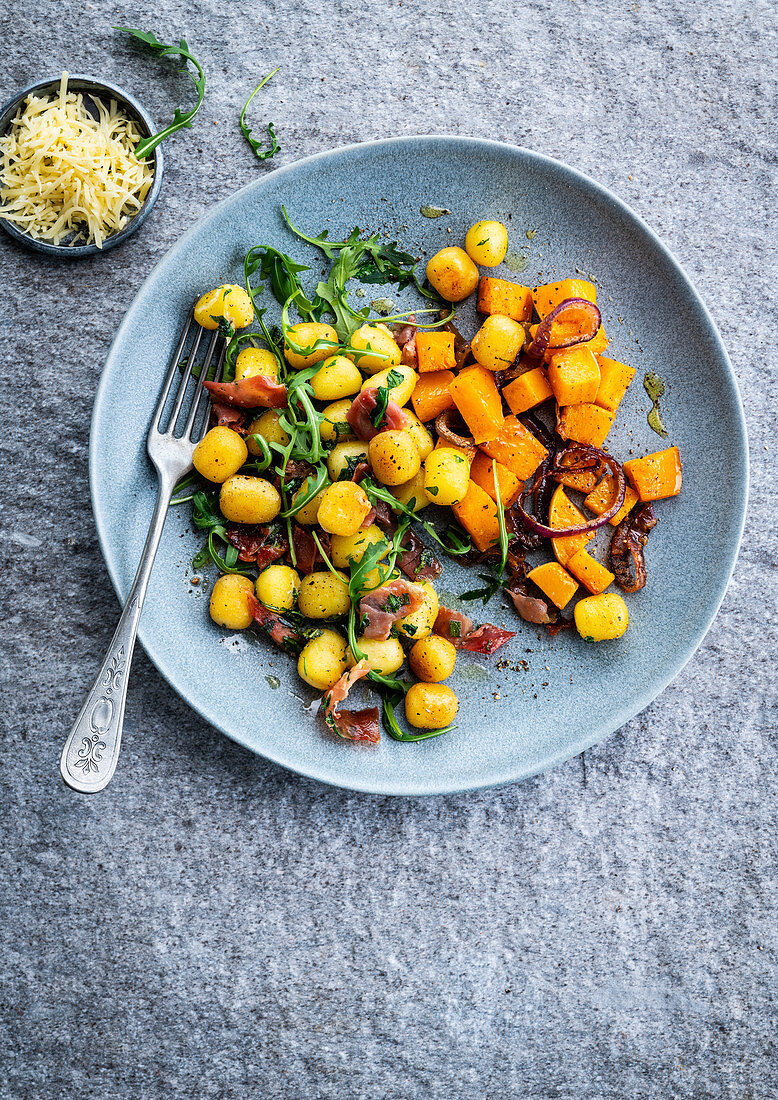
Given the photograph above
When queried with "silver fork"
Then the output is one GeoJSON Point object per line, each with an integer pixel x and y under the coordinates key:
{"type": "Point", "coordinates": [91, 751]}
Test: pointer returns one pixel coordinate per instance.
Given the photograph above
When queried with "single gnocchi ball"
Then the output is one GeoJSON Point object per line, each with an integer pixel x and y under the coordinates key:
{"type": "Point", "coordinates": [323, 660]}
{"type": "Point", "coordinates": [376, 348]}
{"type": "Point", "coordinates": [344, 458]}
{"type": "Point", "coordinates": [486, 243]}
{"type": "Point", "coordinates": [417, 431]}
{"type": "Point", "coordinates": [394, 457]}
{"type": "Point", "coordinates": [227, 305]}
{"type": "Point", "coordinates": [305, 336]}
{"type": "Point", "coordinates": [245, 499]}
{"type": "Point", "coordinates": [498, 342]}
{"type": "Point", "coordinates": [411, 493]}
{"type": "Point", "coordinates": [430, 706]}
{"type": "Point", "coordinates": [219, 454]}
{"type": "Point", "coordinates": [345, 549]}
{"type": "Point", "coordinates": [255, 361]}
{"type": "Point", "coordinates": [334, 427]}
{"type": "Point", "coordinates": [446, 476]}
{"type": "Point", "coordinates": [309, 513]}
{"type": "Point", "coordinates": [420, 622]}
{"type": "Point", "coordinates": [432, 659]}
{"type": "Point", "coordinates": [453, 274]}
{"type": "Point", "coordinates": [601, 618]}
{"type": "Point", "coordinates": [336, 378]}
{"type": "Point", "coordinates": [384, 657]}
{"type": "Point", "coordinates": [230, 604]}
{"type": "Point", "coordinates": [277, 587]}
{"type": "Point", "coordinates": [268, 425]}
{"type": "Point", "coordinates": [400, 386]}
{"type": "Point", "coordinates": [343, 508]}
{"type": "Point", "coordinates": [324, 596]}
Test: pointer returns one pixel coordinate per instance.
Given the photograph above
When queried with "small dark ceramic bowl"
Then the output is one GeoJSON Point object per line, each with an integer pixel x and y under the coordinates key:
{"type": "Point", "coordinates": [102, 90]}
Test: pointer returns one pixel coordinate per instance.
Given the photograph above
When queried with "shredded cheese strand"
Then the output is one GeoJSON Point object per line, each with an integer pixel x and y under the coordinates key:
{"type": "Point", "coordinates": [66, 174]}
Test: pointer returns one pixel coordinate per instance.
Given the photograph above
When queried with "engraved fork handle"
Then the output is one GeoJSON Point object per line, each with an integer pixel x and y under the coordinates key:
{"type": "Point", "coordinates": [91, 751]}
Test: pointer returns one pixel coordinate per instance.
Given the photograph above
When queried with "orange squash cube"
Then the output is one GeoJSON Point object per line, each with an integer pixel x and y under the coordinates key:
{"type": "Point", "coordinates": [563, 513]}
{"type": "Point", "coordinates": [574, 375]}
{"type": "Point", "coordinates": [516, 447]}
{"type": "Point", "coordinates": [435, 351]}
{"type": "Point", "coordinates": [555, 582]}
{"type": "Point", "coordinates": [590, 573]}
{"type": "Point", "coordinates": [600, 499]}
{"type": "Point", "coordinates": [586, 423]}
{"type": "Point", "coordinates": [509, 485]}
{"type": "Point", "coordinates": [582, 480]}
{"type": "Point", "coordinates": [615, 378]}
{"type": "Point", "coordinates": [599, 342]}
{"type": "Point", "coordinates": [501, 296]}
{"type": "Point", "coordinates": [547, 297]}
{"type": "Point", "coordinates": [431, 395]}
{"type": "Point", "coordinates": [528, 390]}
{"type": "Point", "coordinates": [478, 400]}
{"type": "Point", "coordinates": [477, 513]}
{"type": "Point", "coordinates": [657, 476]}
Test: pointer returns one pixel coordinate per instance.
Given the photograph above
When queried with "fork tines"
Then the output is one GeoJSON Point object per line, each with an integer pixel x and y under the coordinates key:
{"type": "Point", "coordinates": [199, 355]}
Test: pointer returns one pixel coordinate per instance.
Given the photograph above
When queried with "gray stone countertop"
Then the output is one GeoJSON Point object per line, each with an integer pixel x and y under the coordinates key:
{"type": "Point", "coordinates": [212, 926]}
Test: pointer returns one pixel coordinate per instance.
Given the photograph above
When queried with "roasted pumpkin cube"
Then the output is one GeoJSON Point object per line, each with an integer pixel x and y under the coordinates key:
{"type": "Point", "coordinates": [477, 513]}
{"type": "Point", "coordinates": [615, 378]}
{"type": "Point", "coordinates": [482, 473]}
{"type": "Point", "coordinates": [555, 582]}
{"type": "Point", "coordinates": [476, 396]}
{"type": "Point", "coordinates": [656, 476]}
{"type": "Point", "coordinates": [503, 297]}
{"type": "Point", "coordinates": [590, 573]}
{"type": "Point", "coordinates": [516, 447]}
{"type": "Point", "coordinates": [574, 375]}
{"type": "Point", "coordinates": [431, 395]}
{"type": "Point", "coordinates": [583, 481]}
{"type": "Point", "coordinates": [528, 390]}
{"type": "Point", "coordinates": [435, 351]}
{"type": "Point", "coordinates": [586, 423]}
{"type": "Point", "coordinates": [563, 513]}
{"type": "Point", "coordinates": [547, 297]}
{"type": "Point", "coordinates": [600, 499]}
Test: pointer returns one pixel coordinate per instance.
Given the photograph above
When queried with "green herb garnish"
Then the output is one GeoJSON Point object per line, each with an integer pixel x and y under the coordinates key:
{"type": "Point", "coordinates": [181, 119]}
{"type": "Point", "coordinates": [273, 146]}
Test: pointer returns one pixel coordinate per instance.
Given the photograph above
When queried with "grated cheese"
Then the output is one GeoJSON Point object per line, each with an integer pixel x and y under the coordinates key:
{"type": "Point", "coordinates": [65, 172]}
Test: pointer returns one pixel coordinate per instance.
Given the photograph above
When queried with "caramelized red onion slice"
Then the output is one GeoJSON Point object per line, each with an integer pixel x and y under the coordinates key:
{"type": "Point", "coordinates": [449, 426]}
{"type": "Point", "coordinates": [547, 532]}
{"type": "Point", "coordinates": [542, 341]}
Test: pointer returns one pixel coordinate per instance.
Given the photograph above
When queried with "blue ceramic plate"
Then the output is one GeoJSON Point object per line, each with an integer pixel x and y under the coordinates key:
{"type": "Point", "coordinates": [546, 699]}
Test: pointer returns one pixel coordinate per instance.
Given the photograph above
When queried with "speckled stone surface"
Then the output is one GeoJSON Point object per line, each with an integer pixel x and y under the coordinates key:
{"type": "Point", "coordinates": [211, 926]}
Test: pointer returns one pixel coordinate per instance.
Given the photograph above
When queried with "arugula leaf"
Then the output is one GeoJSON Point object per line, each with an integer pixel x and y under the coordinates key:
{"type": "Point", "coordinates": [492, 584]}
{"type": "Point", "coordinates": [501, 521]}
{"type": "Point", "coordinates": [274, 147]}
{"type": "Point", "coordinates": [181, 119]}
{"type": "Point", "coordinates": [378, 415]}
{"type": "Point", "coordinates": [367, 260]}
{"type": "Point", "coordinates": [282, 272]}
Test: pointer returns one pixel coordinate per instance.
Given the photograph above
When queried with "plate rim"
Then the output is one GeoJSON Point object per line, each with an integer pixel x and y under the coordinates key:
{"type": "Point", "coordinates": [504, 776]}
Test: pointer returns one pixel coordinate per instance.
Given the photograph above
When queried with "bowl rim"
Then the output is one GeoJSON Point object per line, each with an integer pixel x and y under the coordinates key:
{"type": "Point", "coordinates": [505, 774]}
{"type": "Point", "coordinates": [79, 251]}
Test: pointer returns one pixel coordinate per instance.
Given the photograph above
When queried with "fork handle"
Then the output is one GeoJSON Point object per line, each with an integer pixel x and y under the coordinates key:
{"type": "Point", "coordinates": [91, 751]}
